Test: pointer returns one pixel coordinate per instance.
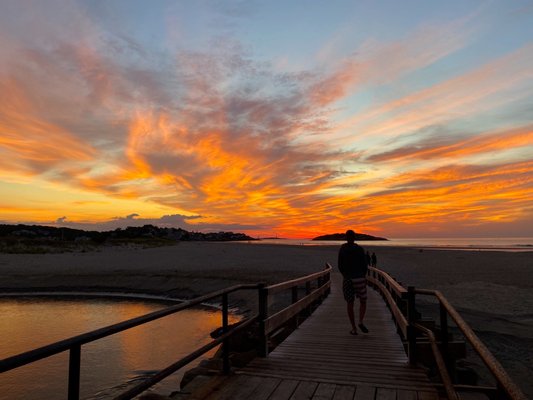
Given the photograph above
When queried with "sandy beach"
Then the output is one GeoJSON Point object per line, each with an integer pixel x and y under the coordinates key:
{"type": "Point", "coordinates": [492, 290]}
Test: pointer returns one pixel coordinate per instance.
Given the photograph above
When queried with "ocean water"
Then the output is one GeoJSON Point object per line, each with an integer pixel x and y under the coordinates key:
{"type": "Point", "coordinates": [477, 244]}
{"type": "Point", "coordinates": [110, 365]}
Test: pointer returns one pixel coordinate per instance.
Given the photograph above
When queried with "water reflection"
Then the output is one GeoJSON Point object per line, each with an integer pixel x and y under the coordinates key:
{"type": "Point", "coordinates": [107, 363]}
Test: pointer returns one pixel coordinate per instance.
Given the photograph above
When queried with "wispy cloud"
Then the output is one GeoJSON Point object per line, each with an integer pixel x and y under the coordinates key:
{"type": "Point", "coordinates": [376, 63]}
{"type": "Point", "coordinates": [491, 86]}
{"type": "Point", "coordinates": [456, 148]}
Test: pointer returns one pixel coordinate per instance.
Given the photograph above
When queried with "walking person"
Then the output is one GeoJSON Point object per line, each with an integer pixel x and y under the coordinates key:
{"type": "Point", "coordinates": [353, 266]}
{"type": "Point", "coordinates": [374, 260]}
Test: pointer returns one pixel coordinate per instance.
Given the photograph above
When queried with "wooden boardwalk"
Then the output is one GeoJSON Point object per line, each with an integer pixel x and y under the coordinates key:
{"type": "Point", "coordinates": [321, 361]}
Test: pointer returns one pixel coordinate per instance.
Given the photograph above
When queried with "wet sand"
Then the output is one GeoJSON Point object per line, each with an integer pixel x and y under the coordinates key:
{"type": "Point", "coordinates": [492, 290]}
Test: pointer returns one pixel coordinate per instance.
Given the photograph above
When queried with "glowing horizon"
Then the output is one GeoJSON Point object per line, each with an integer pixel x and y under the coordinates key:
{"type": "Point", "coordinates": [289, 119]}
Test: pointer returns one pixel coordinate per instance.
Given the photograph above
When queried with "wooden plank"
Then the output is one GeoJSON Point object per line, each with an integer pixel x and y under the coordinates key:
{"type": "Point", "coordinates": [411, 385]}
{"type": "Point", "coordinates": [365, 392]}
{"type": "Point", "coordinates": [344, 392]}
{"type": "Point", "coordinates": [304, 391]}
{"type": "Point", "coordinates": [284, 390]}
{"type": "Point", "coordinates": [423, 395]}
{"type": "Point", "coordinates": [345, 363]}
{"type": "Point", "coordinates": [319, 371]}
{"type": "Point", "coordinates": [324, 391]}
{"type": "Point", "coordinates": [406, 394]}
{"type": "Point", "coordinates": [336, 368]}
{"type": "Point", "coordinates": [385, 394]}
{"type": "Point", "coordinates": [346, 377]}
{"type": "Point", "coordinates": [265, 388]}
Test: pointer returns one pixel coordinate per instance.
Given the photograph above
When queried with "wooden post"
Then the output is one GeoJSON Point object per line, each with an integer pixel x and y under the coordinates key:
{"type": "Point", "coordinates": [225, 343]}
{"type": "Point", "coordinates": [74, 373]}
{"type": "Point", "coordinates": [411, 331]}
{"type": "Point", "coordinates": [263, 315]}
{"type": "Point", "coordinates": [444, 339]}
{"type": "Point", "coordinates": [307, 291]}
{"type": "Point", "coordinates": [294, 291]}
{"type": "Point", "coordinates": [294, 299]}
{"type": "Point", "coordinates": [328, 279]}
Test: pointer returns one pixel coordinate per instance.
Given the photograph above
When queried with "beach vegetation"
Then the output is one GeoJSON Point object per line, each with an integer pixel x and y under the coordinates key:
{"type": "Point", "coordinates": [38, 239]}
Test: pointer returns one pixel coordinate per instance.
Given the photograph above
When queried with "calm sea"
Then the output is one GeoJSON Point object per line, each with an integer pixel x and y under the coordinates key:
{"type": "Point", "coordinates": [483, 244]}
{"type": "Point", "coordinates": [110, 365]}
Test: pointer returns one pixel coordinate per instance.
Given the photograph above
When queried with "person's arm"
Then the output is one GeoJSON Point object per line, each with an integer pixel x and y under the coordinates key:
{"type": "Point", "coordinates": [340, 262]}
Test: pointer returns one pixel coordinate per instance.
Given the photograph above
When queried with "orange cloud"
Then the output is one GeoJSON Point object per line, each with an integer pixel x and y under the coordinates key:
{"type": "Point", "coordinates": [30, 143]}
{"type": "Point", "coordinates": [492, 142]}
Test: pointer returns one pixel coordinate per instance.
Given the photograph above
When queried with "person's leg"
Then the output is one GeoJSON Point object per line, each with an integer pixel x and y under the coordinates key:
{"type": "Point", "coordinates": [362, 310]}
{"type": "Point", "coordinates": [351, 316]}
{"type": "Point", "coordinates": [349, 297]}
{"type": "Point", "coordinates": [362, 295]}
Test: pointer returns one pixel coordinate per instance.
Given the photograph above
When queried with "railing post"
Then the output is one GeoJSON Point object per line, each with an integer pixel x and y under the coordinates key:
{"type": "Point", "coordinates": [225, 343]}
{"type": "Point", "coordinates": [445, 340]}
{"type": "Point", "coordinates": [263, 315]}
{"type": "Point", "coordinates": [294, 299]}
{"type": "Point", "coordinates": [74, 372]}
{"type": "Point", "coordinates": [327, 279]}
{"type": "Point", "coordinates": [411, 331]}
{"type": "Point", "coordinates": [294, 291]}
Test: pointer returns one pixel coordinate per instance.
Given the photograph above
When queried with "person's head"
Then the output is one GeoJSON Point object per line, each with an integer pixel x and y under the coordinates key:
{"type": "Point", "coordinates": [350, 236]}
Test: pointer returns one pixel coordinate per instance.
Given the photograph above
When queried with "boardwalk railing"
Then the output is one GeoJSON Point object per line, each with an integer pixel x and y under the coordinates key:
{"type": "Point", "coordinates": [267, 324]}
{"type": "Point", "coordinates": [401, 302]}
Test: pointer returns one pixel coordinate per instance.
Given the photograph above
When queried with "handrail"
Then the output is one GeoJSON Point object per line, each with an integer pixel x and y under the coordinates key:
{"type": "Point", "coordinates": [298, 281]}
{"type": "Point", "coordinates": [141, 387]}
{"type": "Point", "coordinates": [379, 279]}
{"type": "Point", "coordinates": [443, 372]}
{"type": "Point", "coordinates": [399, 289]}
{"type": "Point", "coordinates": [503, 379]}
{"type": "Point", "coordinates": [272, 322]}
{"type": "Point", "coordinates": [19, 360]}
{"type": "Point", "coordinates": [405, 317]}
{"type": "Point", "coordinates": [74, 344]}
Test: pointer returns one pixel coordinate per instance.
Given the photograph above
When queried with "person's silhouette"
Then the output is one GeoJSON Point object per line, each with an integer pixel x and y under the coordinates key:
{"type": "Point", "coordinates": [353, 266]}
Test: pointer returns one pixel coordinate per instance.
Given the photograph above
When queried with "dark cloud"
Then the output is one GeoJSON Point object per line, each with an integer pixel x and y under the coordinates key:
{"type": "Point", "coordinates": [165, 221]}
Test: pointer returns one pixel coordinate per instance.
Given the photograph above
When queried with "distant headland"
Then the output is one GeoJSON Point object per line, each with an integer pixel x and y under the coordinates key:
{"type": "Point", "coordinates": [342, 236]}
{"type": "Point", "coordinates": [49, 239]}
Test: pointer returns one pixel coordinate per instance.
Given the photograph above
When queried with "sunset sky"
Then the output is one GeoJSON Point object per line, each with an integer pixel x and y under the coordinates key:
{"type": "Point", "coordinates": [288, 118]}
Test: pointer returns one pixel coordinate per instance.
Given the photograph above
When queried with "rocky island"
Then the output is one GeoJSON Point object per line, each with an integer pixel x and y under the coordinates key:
{"type": "Point", "coordinates": [342, 236]}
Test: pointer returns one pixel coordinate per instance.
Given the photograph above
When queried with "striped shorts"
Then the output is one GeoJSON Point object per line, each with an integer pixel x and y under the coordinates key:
{"type": "Point", "coordinates": [354, 287]}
